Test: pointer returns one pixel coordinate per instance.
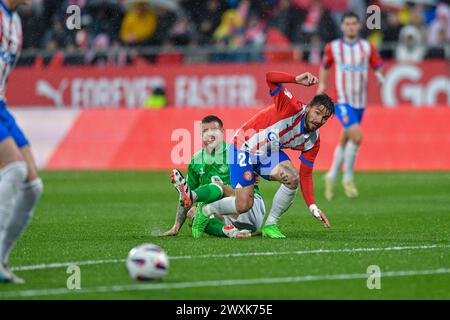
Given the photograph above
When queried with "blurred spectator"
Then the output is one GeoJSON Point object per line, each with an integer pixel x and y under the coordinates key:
{"type": "Point", "coordinates": [165, 22]}
{"type": "Point", "coordinates": [254, 31]}
{"type": "Point", "coordinates": [32, 27]}
{"type": "Point", "coordinates": [138, 26]}
{"type": "Point", "coordinates": [318, 21]}
{"type": "Point", "coordinates": [181, 32]}
{"type": "Point", "coordinates": [231, 33]}
{"type": "Point", "coordinates": [208, 21]}
{"type": "Point", "coordinates": [157, 99]}
{"type": "Point", "coordinates": [105, 19]}
{"type": "Point", "coordinates": [82, 39]}
{"type": "Point", "coordinates": [440, 28]}
{"type": "Point", "coordinates": [58, 35]}
{"type": "Point", "coordinates": [98, 55]}
{"type": "Point", "coordinates": [231, 27]}
{"type": "Point", "coordinates": [287, 19]}
{"type": "Point", "coordinates": [392, 31]}
{"type": "Point", "coordinates": [417, 21]}
{"type": "Point", "coordinates": [51, 9]}
{"type": "Point", "coordinates": [411, 47]}
{"type": "Point", "coordinates": [404, 13]}
{"type": "Point", "coordinates": [336, 8]}
{"type": "Point", "coordinates": [315, 54]}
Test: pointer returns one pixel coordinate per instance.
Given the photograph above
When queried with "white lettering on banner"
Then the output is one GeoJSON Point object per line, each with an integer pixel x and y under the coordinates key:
{"type": "Point", "coordinates": [222, 90]}
{"type": "Point", "coordinates": [101, 92]}
{"type": "Point", "coordinates": [415, 93]}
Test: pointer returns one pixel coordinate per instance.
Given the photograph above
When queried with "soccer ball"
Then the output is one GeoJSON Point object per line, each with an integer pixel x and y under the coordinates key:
{"type": "Point", "coordinates": [147, 262]}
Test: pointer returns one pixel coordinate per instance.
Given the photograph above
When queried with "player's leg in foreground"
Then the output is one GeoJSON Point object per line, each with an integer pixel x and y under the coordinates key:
{"type": "Point", "coordinates": [285, 173]}
{"type": "Point", "coordinates": [206, 193]}
{"type": "Point", "coordinates": [250, 221]}
{"type": "Point", "coordinates": [233, 226]}
{"type": "Point", "coordinates": [218, 228]}
{"type": "Point", "coordinates": [20, 189]}
{"type": "Point", "coordinates": [180, 184]}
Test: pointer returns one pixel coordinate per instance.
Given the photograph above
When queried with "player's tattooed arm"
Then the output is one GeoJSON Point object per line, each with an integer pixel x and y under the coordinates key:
{"type": "Point", "coordinates": [179, 221]}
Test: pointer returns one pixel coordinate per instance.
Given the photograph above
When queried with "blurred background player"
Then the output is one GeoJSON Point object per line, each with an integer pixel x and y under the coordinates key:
{"type": "Point", "coordinates": [351, 57]}
{"type": "Point", "coordinates": [20, 186]}
{"type": "Point", "coordinates": [208, 180]}
{"type": "Point", "coordinates": [257, 147]}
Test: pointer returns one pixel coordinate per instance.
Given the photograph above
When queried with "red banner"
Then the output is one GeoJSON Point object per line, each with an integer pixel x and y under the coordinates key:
{"type": "Point", "coordinates": [224, 85]}
{"type": "Point", "coordinates": [397, 139]}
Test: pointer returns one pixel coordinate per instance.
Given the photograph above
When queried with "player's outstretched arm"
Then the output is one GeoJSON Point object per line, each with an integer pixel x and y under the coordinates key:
{"type": "Point", "coordinates": [179, 221]}
{"type": "Point", "coordinates": [275, 79]}
{"type": "Point", "coordinates": [306, 183]}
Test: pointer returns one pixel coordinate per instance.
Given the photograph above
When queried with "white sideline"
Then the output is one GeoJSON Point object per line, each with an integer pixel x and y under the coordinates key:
{"type": "Point", "coordinates": [215, 283]}
{"type": "Point", "coordinates": [226, 255]}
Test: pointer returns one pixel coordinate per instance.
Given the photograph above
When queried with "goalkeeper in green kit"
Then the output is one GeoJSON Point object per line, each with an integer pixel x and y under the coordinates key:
{"type": "Point", "coordinates": [208, 180]}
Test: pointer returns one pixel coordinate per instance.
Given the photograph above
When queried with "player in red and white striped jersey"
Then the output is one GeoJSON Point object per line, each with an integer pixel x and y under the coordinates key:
{"type": "Point", "coordinates": [258, 147]}
{"type": "Point", "coordinates": [20, 185]}
{"type": "Point", "coordinates": [351, 58]}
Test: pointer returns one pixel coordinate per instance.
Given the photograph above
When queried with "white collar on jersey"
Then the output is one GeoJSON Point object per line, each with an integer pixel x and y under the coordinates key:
{"type": "Point", "coordinates": [350, 43]}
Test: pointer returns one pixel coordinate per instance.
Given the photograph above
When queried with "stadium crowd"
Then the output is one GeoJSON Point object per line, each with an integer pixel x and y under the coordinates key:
{"type": "Point", "coordinates": [236, 30]}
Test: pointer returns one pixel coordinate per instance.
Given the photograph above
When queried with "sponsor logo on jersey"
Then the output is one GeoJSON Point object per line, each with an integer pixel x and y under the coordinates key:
{"type": "Point", "coordinates": [248, 175]}
{"type": "Point", "coordinates": [353, 67]}
{"type": "Point", "coordinates": [345, 119]}
{"type": "Point", "coordinates": [8, 57]}
{"type": "Point", "coordinates": [287, 93]}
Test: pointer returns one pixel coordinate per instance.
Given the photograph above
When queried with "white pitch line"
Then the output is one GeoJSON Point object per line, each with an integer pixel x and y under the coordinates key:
{"type": "Point", "coordinates": [226, 255]}
{"type": "Point", "coordinates": [215, 283]}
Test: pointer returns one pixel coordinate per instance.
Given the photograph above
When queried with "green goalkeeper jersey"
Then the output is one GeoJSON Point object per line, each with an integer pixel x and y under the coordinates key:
{"type": "Point", "coordinates": [205, 168]}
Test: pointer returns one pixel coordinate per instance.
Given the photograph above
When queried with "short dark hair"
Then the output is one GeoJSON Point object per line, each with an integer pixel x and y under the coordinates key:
{"type": "Point", "coordinates": [212, 118]}
{"type": "Point", "coordinates": [325, 100]}
{"type": "Point", "coordinates": [350, 14]}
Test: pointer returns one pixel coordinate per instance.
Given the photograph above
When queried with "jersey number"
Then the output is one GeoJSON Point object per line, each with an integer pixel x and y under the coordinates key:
{"type": "Point", "coordinates": [242, 162]}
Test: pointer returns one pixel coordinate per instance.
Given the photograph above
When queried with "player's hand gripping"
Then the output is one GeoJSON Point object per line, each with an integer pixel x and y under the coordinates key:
{"type": "Point", "coordinates": [306, 79]}
{"type": "Point", "coordinates": [319, 215]}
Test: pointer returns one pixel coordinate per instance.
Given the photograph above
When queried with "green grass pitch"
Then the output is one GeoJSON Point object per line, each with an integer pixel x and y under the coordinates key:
{"type": "Point", "coordinates": [95, 218]}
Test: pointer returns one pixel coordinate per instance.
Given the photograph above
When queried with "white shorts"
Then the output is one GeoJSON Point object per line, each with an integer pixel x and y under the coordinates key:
{"type": "Point", "coordinates": [251, 220]}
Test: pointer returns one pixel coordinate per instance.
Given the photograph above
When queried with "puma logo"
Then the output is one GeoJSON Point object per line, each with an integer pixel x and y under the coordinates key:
{"type": "Point", "coordinates": [45, 89]}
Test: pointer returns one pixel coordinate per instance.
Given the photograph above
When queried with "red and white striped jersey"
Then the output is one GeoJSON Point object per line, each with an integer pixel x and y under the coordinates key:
{"type": "Point", "coordinates": [279, 126]}
{"type": "Point", "coordinates": [10, 44]}
{"type": "Point", "coordinates": [351, 62]}
{"type": "Point", "coordinates": [282, 126]}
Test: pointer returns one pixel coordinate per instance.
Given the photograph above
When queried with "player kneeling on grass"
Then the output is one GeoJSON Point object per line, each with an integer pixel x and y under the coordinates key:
{"type": "Point", "coordinates": [208, 180]}
{"type": "Point", "coordinates": [258, 147]}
